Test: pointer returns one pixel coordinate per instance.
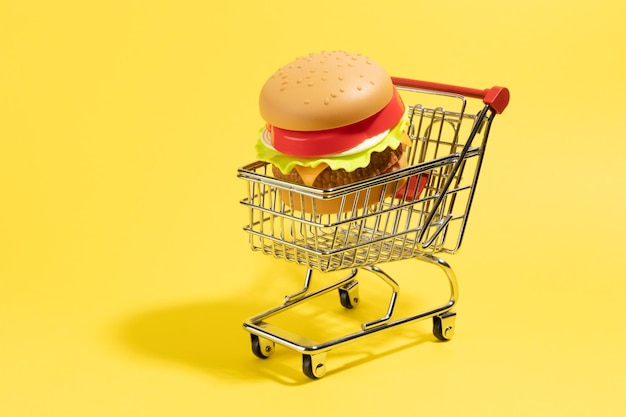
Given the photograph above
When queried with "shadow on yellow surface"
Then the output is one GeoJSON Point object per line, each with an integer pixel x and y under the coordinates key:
{"type": "Point", "coordinates": [208, 335]}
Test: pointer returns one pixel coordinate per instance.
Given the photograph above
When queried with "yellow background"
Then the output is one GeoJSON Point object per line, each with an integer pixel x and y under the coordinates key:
{"type": "Point", "coordinates": [125, 275]}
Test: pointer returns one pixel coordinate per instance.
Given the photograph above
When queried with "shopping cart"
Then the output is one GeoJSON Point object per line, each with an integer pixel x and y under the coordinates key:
{"type": "Point", "coordinates": [415, 212]}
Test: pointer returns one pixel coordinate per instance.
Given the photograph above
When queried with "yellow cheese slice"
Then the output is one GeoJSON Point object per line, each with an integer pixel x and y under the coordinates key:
{"type": "Point", "coordinates": [309, 174]}
{"type": "Point", "coordinates": [405, 139]}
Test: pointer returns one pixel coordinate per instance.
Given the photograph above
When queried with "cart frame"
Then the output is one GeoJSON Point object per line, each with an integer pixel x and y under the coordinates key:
{"type": "Point", "coordinates": [412, 213]}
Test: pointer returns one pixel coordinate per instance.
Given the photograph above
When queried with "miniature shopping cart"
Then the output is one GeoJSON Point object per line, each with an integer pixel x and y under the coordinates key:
{"type": "Point", "coordinates": [415, 212]}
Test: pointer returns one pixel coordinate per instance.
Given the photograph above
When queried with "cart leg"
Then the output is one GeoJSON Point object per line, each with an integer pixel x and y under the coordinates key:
{"type": "Point", "coordinates": [447, 269]}
{"type": "Point", "coordinates": [392, 303]}
{"type": "Point", "coordinates": [303, 291]}
{"type": "Point", "coordinates": [303, 295]}
{"type": "Point", "coordinates": [444, 322]}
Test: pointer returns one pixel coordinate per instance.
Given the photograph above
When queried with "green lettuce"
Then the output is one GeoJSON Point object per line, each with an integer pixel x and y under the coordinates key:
{"type": "Point", "coordinates": [348, 162]}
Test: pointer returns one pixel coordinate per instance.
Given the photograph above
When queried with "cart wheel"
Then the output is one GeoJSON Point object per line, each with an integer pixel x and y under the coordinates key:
{"type": "Point", "coordinates": [349, 294]}
{"type": "Point", "coordinates": [262, 348]}
{"type": "Point", "coordinates": [443, 325]}
{"type": "Point", "coordinates": [313, 365]}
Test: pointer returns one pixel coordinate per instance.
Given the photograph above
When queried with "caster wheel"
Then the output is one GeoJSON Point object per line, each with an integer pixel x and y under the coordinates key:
{"type": "Point", "coordinates": [443, 325]}
{"type": "Point", "coordinates": [349, 294]}
{"type": "Point", "coordinates": [313, 365]}
{"type": "Point", "coordinates": [262, 348]}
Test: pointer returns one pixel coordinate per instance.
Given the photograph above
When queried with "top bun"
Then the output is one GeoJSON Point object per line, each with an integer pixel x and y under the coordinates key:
{"type": "Point", "coordinates": [325, 90]}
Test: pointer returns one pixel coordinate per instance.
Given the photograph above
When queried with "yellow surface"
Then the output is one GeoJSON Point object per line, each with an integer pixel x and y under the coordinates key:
{"type": "Point", "coordinates": [124, 273]}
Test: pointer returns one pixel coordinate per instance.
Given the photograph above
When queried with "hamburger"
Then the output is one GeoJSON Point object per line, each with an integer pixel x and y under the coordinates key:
{"type": "Point", "coordinates": [332, 118]}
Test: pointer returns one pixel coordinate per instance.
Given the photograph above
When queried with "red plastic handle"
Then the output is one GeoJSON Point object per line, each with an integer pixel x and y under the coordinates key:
{"type": "Point", "coordinates": [496, 97]}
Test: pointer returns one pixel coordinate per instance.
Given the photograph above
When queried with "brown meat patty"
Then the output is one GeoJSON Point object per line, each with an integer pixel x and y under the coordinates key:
{"type": "Point", "coordinates": [380, 163]}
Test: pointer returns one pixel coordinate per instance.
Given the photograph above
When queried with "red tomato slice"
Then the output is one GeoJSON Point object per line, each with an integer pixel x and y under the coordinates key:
{"type": "Point", "coordinates": [332, 141]}
{"type": "Point", "coordinates": [413, 187]}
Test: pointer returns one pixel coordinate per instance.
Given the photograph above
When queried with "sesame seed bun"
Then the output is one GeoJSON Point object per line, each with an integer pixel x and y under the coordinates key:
{"type": "Point", "coordinates": [325, 90]}
{"type": "Point", "coordinates": [333, 119]}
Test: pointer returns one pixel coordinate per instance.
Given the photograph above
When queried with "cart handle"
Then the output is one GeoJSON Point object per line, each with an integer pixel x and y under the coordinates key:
{"type": "Point", "coordinates": [496, 97]}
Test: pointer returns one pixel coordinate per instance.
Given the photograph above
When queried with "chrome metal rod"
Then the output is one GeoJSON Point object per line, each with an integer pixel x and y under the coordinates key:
{"type": "Point", "coordinates": [447, 269]}
{"type": "Point", "coordinates": [310, 295]}
{"type": "Point", "coordinates": [480, 117]}
{"type": "Point", "coordinates": [301, 344]}
{"type": "Point", "coordinates": [395, 288]}
{"type": "Point", "coordinates": [257, 326]}
{"type": "Point", "coordinates": [303, 291]}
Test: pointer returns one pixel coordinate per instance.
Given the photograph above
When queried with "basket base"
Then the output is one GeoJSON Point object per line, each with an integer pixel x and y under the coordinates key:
{"type": "Point", "coordinates": [265, 334]}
